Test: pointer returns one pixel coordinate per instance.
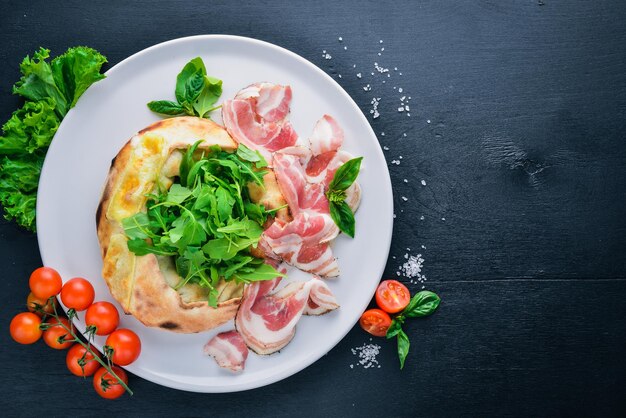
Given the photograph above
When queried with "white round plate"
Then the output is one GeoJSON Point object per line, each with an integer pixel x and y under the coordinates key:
{"type": "Point", "coordinates": [114, 109]}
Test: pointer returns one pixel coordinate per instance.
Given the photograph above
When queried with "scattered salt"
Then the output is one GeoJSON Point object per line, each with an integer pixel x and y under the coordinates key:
{"type": "Point", "coordinates": [396, 162]}
{"type": "Point", "coordinates": [340, 39]}
{"type": "Point", "coordinates": [381, 41]}
{"type": "Point", "coordinates": [406, 181]}
{"type": "Point", "coordinates": [327, 56]}
{"type": "Point", "coordinates": [386, 148]}
{"type": "Point", "coordinates": [358, 75]}
{"type": "Point", "coordinates": [345, 48]}
{"type": "Point", "coordinates": [339, 75]}
{"type": "Point", "coordinates": [428, 121]}
{"type": "Point", "coordinates": [382, 134]}
{"type": "Point", "coordinates": [405, 198]}
{"type": "Point", "coordinates": [423, 182]}
{"type": "Point", "coordinates": [401, 109]}
{"type": "Point", "coordinates": [367, 355]}
{"type": "Point", "coordinates": [422, 218]}
{"type": "Point", "coordinates": [443, 219]}
{"type": "Point", "coordinates": [367, 88]}
{"type": "Point", "coordinates": [404, 134]}
{"type": "Point", "coordinates": [400, 90]}
{"type": "Point", "coordinates": [412, 268]}
{"type": "Point", "coordinates": [374, 110]}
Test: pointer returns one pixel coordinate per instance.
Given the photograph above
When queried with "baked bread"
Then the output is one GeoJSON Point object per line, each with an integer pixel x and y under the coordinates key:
{"type": "Point", "coordinates": [143, 285]}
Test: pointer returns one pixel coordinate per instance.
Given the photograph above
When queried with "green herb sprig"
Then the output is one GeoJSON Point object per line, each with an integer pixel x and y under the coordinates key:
{"type": "Point", "coordinates": [195, 92]}
{"type": "Point", "coordinates": [424, 303]}
{"type": "Point", "coordinates": [206, 220]}
{"type": "Point", "coordinates": [340, 212]}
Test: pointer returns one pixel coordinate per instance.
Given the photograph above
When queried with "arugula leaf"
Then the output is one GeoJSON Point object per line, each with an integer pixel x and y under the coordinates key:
{"type": "Point", "coordinates": [247, 154]}
{"type": "Point", "coordinates": [346, 174]}
{"type": "Point", "coordinates": [424, 303]}
{"type": "Point", "coordinates": [137, 226]}
{"type": "Point", "coordinates": [177, 194]}
{"type": "Point", "coordinates": [342, 216]}
{"type": "Point", "coordinates": [141, 247]}
{"type": "Point", "coordinates": [403, 347]}
{"type": "Point", "coordinates": [262, 272]}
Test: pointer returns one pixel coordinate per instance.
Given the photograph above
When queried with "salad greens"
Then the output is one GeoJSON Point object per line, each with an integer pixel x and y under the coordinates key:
{"type": "Point", "coordinates": [50, 89]}
{"type": "Point", "coordinates": [336, 194]}
{"type": "Point", "coordinates": [206, 220]}
{"type": "Point", "coordinates": [424, 303]}
{"type": "Point", "coordinates": [195, 92]}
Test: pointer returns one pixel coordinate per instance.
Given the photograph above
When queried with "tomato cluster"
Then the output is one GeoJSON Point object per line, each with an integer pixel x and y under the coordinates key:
{"type": "Point", "coordinates": [102, 318]}
{"type": "Point", "coordinates": [391, 297]}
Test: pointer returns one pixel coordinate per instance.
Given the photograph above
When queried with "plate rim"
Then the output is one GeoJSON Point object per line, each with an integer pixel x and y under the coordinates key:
{"type": "Point", "coordinates": [388, 228]}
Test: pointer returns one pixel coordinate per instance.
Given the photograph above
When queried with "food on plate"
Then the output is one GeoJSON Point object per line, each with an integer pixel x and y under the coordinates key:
{"type": "Point", "coordinates": [102, 317]}
{"type": "Point", "coordinates": [375, 321]}
{"type": "Point", "coordinates": [39, 306]}
{"type": "Point", "coordinates": [267, 319]}
{"type": "Point", "coordinates": [257, 118]}
{"type": "Point", "coordinates": [228, 349]}
{"type": "Point", "coordinates": [196, 92]}
{"type": "Point", "coordinates": [56, 335]}
{"type": "Point", "coordinates": [125, 345]}
{"type": "Point", "coordinates": [169, 283]}
{"type": "Point", "coordinates": [50, 90]}
{"type": "Point", "coordinates": [109, 385]}
{"type": "Point", "coordinates": [25, 329]}
{"type": "Point", "coordinates": [81, 362]}
{"type": "Point", "coordinates": [77, 294]}
{"type": "Point", "coordinates": [45, 282]}
{"type": "Point", "coordinates": [392, 296]}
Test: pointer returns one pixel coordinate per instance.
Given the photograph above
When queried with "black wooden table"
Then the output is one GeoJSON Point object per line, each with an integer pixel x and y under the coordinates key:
{"type": "Point", "coordinates": [517, 129]}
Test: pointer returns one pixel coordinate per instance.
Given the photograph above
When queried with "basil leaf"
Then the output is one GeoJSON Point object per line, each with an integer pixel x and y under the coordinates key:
{"type": "Point", "coordinates": [345, 175]}
{"type": "Point", "coordinates": [210, 93]}
{"type": "Point", "coordinates": [166, 107]}
{"type": "Point", "coordinates": [395, 327]}
{"type": "Point", "coordinates": [193, 88]}
{"type": "Point", "coordinates": [342, 216]}
{"type": "Point", "coordinates": [403, 347]}
{"type": "Point", "coordinates": [187, 163]}
{"type": "Point", "coordinates": [186, 73]}
{"type": "Point", "coordinates": [424, 303]}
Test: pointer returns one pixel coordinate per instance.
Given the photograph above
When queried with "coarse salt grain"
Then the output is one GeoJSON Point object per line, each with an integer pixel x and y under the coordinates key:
{"type": "Point", "coordinates": [386, 148]}
{"type": "Point", "coordinates": [400, 90]}
{"type": "Point", "coordinates": [358, 75]}
{"type": "Point", "coordinates": [406, 181]}
{"type": "Point", "coordinates": [406, 199]}
{"type": "Point", "coordinates": [422, 218]}
{"type": "Point", "coordinates": [423, 182]}
{"type": "Point", "coordinates": [367, 88]}
{"type": "Point", "coordinates": [367, 354]}
{"type": "Point", "coordinates": [340, 39]}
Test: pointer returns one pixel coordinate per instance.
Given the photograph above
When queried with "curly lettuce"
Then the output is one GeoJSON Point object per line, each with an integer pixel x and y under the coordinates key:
{"type": "Point", "coordinates": [50, 89]}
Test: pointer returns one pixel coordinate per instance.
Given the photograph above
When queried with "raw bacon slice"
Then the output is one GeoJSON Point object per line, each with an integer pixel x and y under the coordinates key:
{"type": "Point", "coordinates": [327, 136]}
{"type": "Point", "coordinates": [267, 322]}
{"type": "Point", "coordinates": [228, 349]}
{"type": "Point", "coordinates": [303, 243]}
{"type": "Point", "coordinates": [256, 117]}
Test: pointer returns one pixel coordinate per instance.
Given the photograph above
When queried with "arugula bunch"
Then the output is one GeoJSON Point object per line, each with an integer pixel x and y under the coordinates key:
{"type": "Point", "coordinates": [50, 89]}
{"type": "Point", "coordinates": [336, 194]}
{"type": "Point", "coordinates": [207, 220]}
{"type": "Point", "coordinates": [195, 92]}
{"type": "Point", "coordinates": [424, 303]}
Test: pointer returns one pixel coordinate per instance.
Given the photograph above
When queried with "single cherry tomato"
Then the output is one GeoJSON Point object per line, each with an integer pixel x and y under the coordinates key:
{"type": "Point", "coordinates": [376, 322]}
{"type": "Point", "coordinates": [126, 346]}
{"type": "Point", "coordinates": [77, 293]}
{"type": "Point", "coordinates": [103, 316]}
{"type": "Point", "coordinates": [25, 328]}
{"type": "Point", "coordinates": [81, 362]}
{"type": "Point", "coordinates": [56, 335]}
{"type": "Point", "coordinates": [38, 305]}
{"type": "Point", "coordinates": [45, 282]}
{"type": "Point", "coordinates": [106, 385]}
{"type": "Point", "coordinates": [392, 296]}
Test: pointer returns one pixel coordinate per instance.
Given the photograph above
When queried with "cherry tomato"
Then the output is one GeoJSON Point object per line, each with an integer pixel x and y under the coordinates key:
{"type": "Point", "coordinates": [53, 335]}
{"type": "Point", "coordinates": [107, 385]}
{"type": "Point", "coordinates": [77, 355]}
{"type": "Point", "coordinates": [77, 293]}
{"type": "Point", "coordinates": [45, 282]}
{"type": "Point", "coordinates": [103, 316]}
{"type": "Point", "coordinates": [25, 328]}
{"type": "Point", "coordinates": [44, 305]}
{"type": "Point", "coordinates": [392, 296]}
{"type": "Point", "coordinates": [126, 346]}
{"type": "Point", "coordinates": [376, 322]}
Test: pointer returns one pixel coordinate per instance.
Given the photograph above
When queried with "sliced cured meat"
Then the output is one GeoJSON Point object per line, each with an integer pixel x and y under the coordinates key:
{"type": "Point", "coordinates": [256, 117]}
{"type": "Point", "coordinates": [228, 349]}
{"type": "Point", "coordinates": [303, 243]}
{"type": "Point", "coordinates": [267, 321]}
{"type": "Point", "coordinates": [327, 136]}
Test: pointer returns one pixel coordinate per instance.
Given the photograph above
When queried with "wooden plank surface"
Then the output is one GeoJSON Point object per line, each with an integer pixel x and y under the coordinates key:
{"type": "Point", "coordinates": [518, 114]}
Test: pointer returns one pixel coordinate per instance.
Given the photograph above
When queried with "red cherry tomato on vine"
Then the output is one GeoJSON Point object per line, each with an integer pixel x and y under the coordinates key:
{"type": "Point", "coordinates": [77, 293]}
{"type": "Point", "coordinates": [376, 322]}
{"type": "Point", "coordinates": [106, 385]}
{"type": "Point", "coordinates": [56, 336]}
{"type": "Point", "coordinates": [126, 346]}
{"type": "Point", "coordinates": [392, 296]}
{"type": "Point", "coordinates": [103, 316]}
{"type": "Point", "coordinates": [45, 282]}
{"type": "Point", "coordinates": [44, 305]}
{"type": "Point", "coordinates": [76, 355]}
{"type": "Point", "coordinates": [25, 328]}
